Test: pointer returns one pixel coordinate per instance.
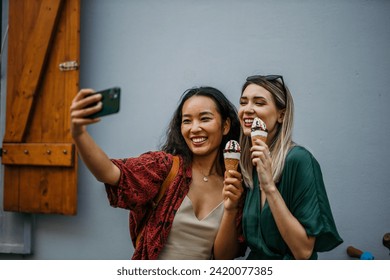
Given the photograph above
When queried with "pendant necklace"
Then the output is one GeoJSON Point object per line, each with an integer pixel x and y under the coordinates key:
{"type": "Point", "coordinates": [205, 177]}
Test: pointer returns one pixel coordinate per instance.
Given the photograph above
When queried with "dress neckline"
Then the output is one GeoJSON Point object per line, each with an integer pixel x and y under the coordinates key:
{"type": "Point", "coordinates": [188, 200]}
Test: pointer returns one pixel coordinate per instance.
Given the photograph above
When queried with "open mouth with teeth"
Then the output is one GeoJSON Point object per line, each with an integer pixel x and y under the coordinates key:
{"type": "Point", "coordinates": [248, 122]}
{"type": "Point", "coordinates": [198, 140]}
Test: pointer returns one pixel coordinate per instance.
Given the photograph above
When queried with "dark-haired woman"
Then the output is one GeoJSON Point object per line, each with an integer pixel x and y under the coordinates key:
{"type": "Point", "coordinates": [199, 217]}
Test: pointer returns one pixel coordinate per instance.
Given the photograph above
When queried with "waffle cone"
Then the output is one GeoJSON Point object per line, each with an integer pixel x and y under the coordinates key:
{"type": "Point", "coordinates": [262, 138]}
{"type": "Point", "coordinates": [231, 164]}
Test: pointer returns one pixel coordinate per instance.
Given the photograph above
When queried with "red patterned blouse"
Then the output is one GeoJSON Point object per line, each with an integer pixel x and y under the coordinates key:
{"type": "Point", "coordinates": [140, 181]}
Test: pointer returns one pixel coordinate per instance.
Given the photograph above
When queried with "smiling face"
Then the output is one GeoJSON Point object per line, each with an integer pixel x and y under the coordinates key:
{"type": "Point", "coordinates": [201, 125]}
{"type": "Point", "coordinates": [256, 101]}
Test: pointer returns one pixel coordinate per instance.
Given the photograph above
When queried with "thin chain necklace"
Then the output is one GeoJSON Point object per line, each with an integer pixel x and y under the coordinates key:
{"type": "Point", "coordinates": [206, 177]}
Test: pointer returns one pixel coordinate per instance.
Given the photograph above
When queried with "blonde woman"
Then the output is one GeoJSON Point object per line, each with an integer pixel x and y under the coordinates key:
{"type": "Point", "coordinates": [287, 213]}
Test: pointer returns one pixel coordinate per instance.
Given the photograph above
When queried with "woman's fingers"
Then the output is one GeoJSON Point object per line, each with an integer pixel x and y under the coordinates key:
{"type": "Point", "coordinates": [261, 149]}
{"type": "Point", "coordinates": [233, 174]}
{"type": "Point", "coordinates": [233, 185]}
{"type": "Point", "coordinates": [264, 154]}
{"type": "Point", "coordinates": [86, 111]}
{"type": "Point", "coordinates": [83, 93]}
{"type": "Point", "coordinates": [85, 98]}
{"type": "Point", "coordinates": [84, 104]}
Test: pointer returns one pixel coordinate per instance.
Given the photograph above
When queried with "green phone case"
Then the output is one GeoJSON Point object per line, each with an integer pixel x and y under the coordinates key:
{"type": "Point", "coordinates": [110, 100]}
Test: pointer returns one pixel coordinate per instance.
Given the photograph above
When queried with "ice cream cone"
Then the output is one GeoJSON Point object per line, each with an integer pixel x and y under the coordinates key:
{"type": "Point", "coordinates": [259, 131]}
{"type": "Point", "coordinates": [231, 155]}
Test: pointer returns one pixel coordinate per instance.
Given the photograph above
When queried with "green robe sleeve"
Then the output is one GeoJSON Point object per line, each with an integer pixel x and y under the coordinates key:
{"type": "Point", "coordinates": [308, 200]}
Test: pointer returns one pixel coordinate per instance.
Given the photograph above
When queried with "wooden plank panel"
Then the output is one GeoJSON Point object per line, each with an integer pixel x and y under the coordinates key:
{"type": "Point", "coordinates": [20, 26]}
{"type": "Point", "coordinates": [72, 53]}
{"type": "Point", "coordinates": [48, 189]}
{"type": "Point", "coordinates": [70, 44]}
{"type": "Point", "coordinates": [47, 154]}
{"type": "Point", "coordinates": [41, 194]}
{"type": "Point", "coordinates": [38, 47]}
{"type": "Point", "coordinates": [58, 90]}
{"type": "Point", "coordinates": [11, 189]}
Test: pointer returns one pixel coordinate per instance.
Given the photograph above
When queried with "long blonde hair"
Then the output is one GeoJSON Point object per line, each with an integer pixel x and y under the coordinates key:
{"type": "Point", "coordinates": [282, 142]}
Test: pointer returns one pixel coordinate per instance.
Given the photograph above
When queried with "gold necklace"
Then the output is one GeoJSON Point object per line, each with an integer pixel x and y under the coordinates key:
{"type": "Point", "coordinates": [205, 177]}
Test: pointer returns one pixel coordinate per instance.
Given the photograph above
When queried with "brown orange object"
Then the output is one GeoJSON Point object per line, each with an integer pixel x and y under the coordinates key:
{"type": "Point", "coordinates": [386, 240]}
{"type": "Point", "coordinates": [231, 164]}
{"type": "Point", "coordinates": [354, 252]}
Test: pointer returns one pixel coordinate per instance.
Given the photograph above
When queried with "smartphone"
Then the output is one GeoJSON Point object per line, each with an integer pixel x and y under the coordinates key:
{"type": "Point", "coordinates": [110, 100]}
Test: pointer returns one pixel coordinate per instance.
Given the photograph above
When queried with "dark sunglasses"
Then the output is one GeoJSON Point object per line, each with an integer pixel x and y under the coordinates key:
{"type": "Point", "coordinates": [269, 78]}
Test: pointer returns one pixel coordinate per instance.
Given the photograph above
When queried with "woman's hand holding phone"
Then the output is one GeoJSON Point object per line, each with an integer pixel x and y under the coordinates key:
{"type": "Point", "coordinates": [88, 106]}
{"type": "Point", "coordinates": [85, 103]}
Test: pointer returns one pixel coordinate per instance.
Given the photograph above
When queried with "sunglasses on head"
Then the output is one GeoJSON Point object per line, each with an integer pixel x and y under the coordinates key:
{"type": "Point", "coordinates": [269, 78]}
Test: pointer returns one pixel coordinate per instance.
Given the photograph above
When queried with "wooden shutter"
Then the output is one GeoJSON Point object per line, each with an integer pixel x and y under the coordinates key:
{"type": "Point", "coordinates": [40, 164]}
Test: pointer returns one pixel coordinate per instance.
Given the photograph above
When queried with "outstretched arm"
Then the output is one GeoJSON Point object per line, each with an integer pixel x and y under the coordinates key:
{"type": "Point", "coordinates": [93, 156]}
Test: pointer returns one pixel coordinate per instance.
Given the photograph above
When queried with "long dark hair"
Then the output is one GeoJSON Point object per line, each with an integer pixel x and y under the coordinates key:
{"type": "Point", "coordinates": [175, 143]}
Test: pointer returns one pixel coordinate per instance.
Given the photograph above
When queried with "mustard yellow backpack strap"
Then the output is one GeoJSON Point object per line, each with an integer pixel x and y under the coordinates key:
{"type": "Point", "coordinates": [167, 182]}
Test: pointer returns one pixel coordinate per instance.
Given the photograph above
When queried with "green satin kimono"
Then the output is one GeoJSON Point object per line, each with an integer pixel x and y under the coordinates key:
{"type": "Point", "coordinates": [302, 188]}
